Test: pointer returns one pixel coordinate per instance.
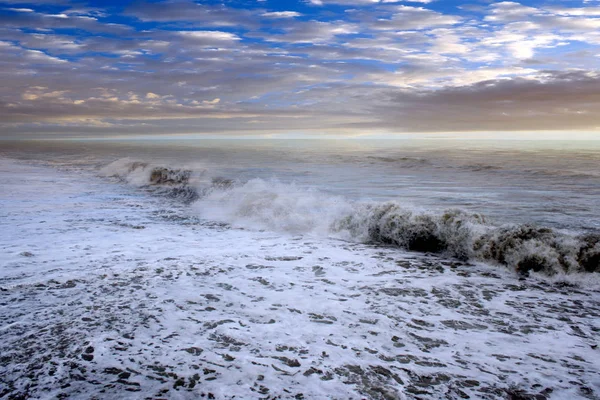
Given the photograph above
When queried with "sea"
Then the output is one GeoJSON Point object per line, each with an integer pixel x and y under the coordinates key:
{"type": "Point", "coordinates": [256, 268]}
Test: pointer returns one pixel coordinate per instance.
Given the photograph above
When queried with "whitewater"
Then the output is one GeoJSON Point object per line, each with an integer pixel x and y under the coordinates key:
{"type": "Point", "coordinates": [300, 269]}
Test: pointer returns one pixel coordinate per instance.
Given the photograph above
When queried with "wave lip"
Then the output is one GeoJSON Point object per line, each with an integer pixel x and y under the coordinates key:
{"type": "Point", "coordinates": [167, 176]}
{"type": "Point", "coordinates": [589, 252]}
{"type": "Point", "coordinates": [466, 236]}
{"type": "Point", "coordinates": [171, 182]}
{"type": "Point", "coordinates": [390, 223]}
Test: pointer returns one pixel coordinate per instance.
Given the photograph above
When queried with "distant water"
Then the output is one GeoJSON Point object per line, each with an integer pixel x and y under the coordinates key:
{"type": "Point", "coordinates": [528, 205]}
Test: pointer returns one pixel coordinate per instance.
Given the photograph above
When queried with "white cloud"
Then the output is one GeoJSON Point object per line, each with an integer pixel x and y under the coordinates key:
{"type": "Point", "coordinates": [409, 18]}
{"type": "Point", "coordinates": [40, 56]}
{"type": "Point", "coordinates": [281, 14]}
{"type": "Point", "coordinates": [23, 10]}
{"type": "Point", "coordinates": [580, 12]}
{"type": "Point", "coordinates": [507, 11]}
{"type": "Point", "coordinates": [210, 35]}
{"type": "Point", "coordinates": [447, 42]}
{"type": "Point", "coordinates": [436, 78]}
{"type": "Point", "coordinates": [314, 32]}
{"type": "Point", "coordinates": [61, 16]}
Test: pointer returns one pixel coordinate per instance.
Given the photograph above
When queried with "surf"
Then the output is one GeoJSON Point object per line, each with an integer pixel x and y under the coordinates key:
{"type": "Point", "coordinates": [287, 207]}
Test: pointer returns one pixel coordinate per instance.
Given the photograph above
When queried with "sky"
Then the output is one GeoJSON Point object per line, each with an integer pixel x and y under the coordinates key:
{"type": "Point", "coordinates": [307, 67]}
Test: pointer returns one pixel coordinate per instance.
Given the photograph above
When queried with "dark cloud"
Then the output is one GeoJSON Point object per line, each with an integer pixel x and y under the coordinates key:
{"type": "Point", "coordinates": [561, 101]}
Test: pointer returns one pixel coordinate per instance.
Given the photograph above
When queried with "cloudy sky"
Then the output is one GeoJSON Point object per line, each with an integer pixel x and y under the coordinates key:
{"type": "Point", "coordinates": [298, 67]}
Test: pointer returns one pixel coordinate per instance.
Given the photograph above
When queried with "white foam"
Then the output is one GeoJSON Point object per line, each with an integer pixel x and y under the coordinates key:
{"type": "Point", "coordinates": [261, 204]}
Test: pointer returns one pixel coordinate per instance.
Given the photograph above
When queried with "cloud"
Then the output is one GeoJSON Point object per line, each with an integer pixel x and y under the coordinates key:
{"type": "Point", "coordinates": [558, 101]}
{"type": "Point", "coordinates": [409, 18]}
{"type": "Point", "coordinates": [358, 3]}
{"type": "Point", "coordinates": [433, 78]}
{"type": "Point", "coordinates": [312, 32]}
{"type": "Point", "coordinates": [351, 2]}
{"type": "Point", "coordinates": [281, 14]}
{"type": "Point", "coordinates": [173, 65]}
{"type": "Point", "coordinates": [40, 92]}
{"type": "Point", "coordinates": [62, 20]}
{"type": "Point", "coordinates": [508, 11]}
{"type": "Point", "coordinates": [40, 56]}
{"type": "Point", "coordinates": [187, 11]}
{"type": "Point", "coordinates": [26, 10]}
{"type": "Point", "coordinates": [209, 35]}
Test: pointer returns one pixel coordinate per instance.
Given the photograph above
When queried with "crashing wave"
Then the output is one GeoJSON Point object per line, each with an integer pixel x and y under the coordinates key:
{"type": "Point", "coordinates": [260, 204]}
{"type": "Point", "coordinates": [588, 255]}
{"type": "Point", "coordinates": [390, 223]}
{"type": "Point", "coordinates": [171, 182]}
{"type": "Point", "coordinates": [529, 248]}
{"type": "Point", "coordinates": [456, 233]}
{"type": "Point", "coordinates": [467, 236]}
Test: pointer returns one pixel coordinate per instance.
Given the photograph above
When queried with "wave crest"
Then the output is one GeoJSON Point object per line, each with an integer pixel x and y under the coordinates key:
{"type": "Point", "coordinates": [390, 223]}
{"type": "Point", "coordinates": [171, 182]}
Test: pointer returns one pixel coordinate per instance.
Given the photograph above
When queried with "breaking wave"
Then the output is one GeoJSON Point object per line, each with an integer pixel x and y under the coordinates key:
{"type": "Point", "coordinates": [277, 206]}
{"type": "Point", "coordinates": [184, 184]}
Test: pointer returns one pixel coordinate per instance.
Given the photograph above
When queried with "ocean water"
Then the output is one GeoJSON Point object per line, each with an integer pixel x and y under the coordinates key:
{"type": "Point", "coordinates": [300, 269]}
{"type": "Point", "coordinates": [525, 205]}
